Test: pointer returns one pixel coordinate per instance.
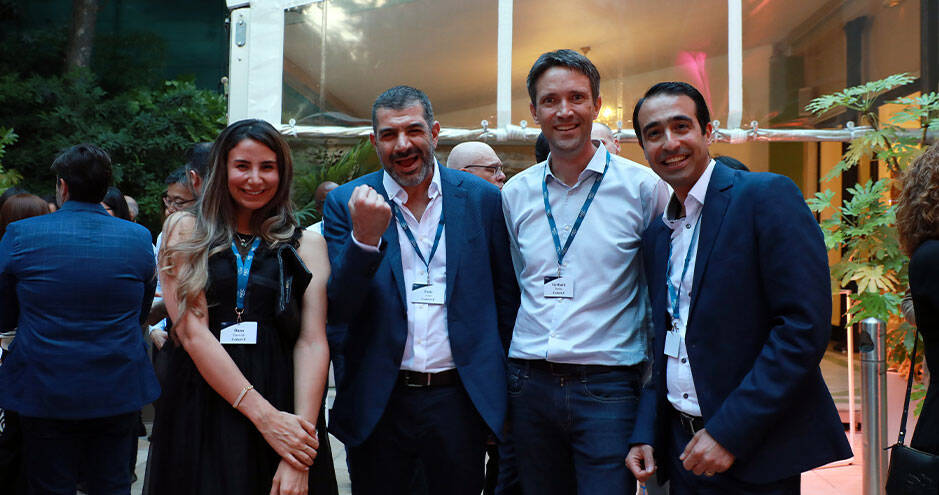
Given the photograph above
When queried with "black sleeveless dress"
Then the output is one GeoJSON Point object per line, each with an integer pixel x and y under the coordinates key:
{"type": "Point", "coordinates": [200, 444]}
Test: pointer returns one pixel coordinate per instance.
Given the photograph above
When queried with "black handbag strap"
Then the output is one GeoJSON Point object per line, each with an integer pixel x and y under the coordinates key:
{"type": "Point", "coordinates": [909, 388]}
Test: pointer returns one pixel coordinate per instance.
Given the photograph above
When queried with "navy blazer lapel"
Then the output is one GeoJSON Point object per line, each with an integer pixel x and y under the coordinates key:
{"type": "Point", "coordinates": [393, 247]}
{"type": "Point", "coordinates": [715, 205]}
{"type": "Point", "coordinates": [454, 211]}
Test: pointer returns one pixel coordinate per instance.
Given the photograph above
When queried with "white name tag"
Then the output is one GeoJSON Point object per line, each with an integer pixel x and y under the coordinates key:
{"type": "Point", "coordinates": [428, 293]}
{"type": "Point", "coordinates": [558, 287]}
{"type": "Point", "coordinates": [671, 343]}
{"type": "Point", "coordinates": [245, 332]}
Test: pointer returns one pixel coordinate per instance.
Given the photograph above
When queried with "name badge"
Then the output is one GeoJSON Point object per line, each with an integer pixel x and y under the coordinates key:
{"type": "Point", "coordinates": [427, 293]}
{"type": "Point", "coordinates": [558, 288]}
{"type": "Point", "coordinates": [245, 332]}
{"type": "Point", "coordinates": [671, 343]}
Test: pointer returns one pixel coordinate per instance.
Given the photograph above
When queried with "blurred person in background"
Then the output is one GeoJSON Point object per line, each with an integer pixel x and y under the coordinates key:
{"type": "Point", "coordinates": [115, 204]}
{"type": "Point", "coordinates": [479, 159]}
{"type": "Point", "coordinates": [319, 197]}
{"type": "Point", "coordinates": [20, 206]}
{"type": "Point", "coordinates": [12, 480]}
{"type": "Point", "coordinates": [602, 135]}
{"type": "Point", "coordinates": [918, 229]}
{"type": "Point", "coordinates": [132, 207]}
{"type": "Point", "coordinates": [51, 201]}
{"type": "Point", "coordinates": [76, 286]}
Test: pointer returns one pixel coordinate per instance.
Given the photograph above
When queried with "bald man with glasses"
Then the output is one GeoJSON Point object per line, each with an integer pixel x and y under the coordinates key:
{"type": "Point", "coordinates": [478, 159]}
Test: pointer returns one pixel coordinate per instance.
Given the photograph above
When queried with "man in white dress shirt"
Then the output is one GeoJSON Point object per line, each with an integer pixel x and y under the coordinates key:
{"type": "Point", "coordinates": [582, 334]}
{"type": "Point", "coordinates": [423, 292]}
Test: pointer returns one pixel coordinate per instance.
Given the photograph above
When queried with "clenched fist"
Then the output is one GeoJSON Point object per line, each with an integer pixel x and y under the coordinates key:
{"type": "Point", "coordinates": [370, 213]}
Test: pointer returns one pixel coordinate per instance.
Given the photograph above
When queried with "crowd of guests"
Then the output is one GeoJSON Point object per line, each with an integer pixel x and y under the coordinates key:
{"type": "Point", "coordinates": [588, 323]}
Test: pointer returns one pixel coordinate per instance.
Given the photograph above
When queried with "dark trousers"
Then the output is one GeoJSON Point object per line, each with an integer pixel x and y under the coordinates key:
{"type": "Point", "coordinates": [55, 451]}
{"type": "Point", "coordinates": [437, 425]}
{"type": "Point", "coordinates": [506, 466]}
{"type": "Point", "coordinates": [571, 427]}
{"type": "Point", "coordinates": [683, 482]}
{"type": "Point", "coordinates": [12, 480]}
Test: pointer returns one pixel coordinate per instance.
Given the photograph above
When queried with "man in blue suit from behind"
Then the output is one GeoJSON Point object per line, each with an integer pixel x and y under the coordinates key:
{"type": "Point", "coordinates": [423, 287]}
{"type": "Point", "coordinates": [77, 285]}
{"type": "Point", "coordinates": [739, 282]}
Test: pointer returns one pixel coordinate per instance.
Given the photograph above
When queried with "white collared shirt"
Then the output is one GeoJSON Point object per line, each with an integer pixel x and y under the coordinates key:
{"type": "Point", "coordinates": [427, 348]}
{"type": "Point", "coordinates": [679, 382]}
{"type": "Point", "coordinates": [607, 322]}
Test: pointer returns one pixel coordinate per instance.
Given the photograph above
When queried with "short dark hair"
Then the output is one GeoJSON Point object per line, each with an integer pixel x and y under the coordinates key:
{"type": "Point", "coordinates": [563, 58]}
{"type": "Point", "coordinates": [178, 176]}
{"type": "Point", "coordinates": [541, 148]}
{"type": "Point", "coordinates": [198, 158]}
{"type": "Point", "coordinates": [86, 169]}
{"type": "Point", "coordinates": [400, 97]}
{"type": "Point", "coordinates": [114, 199]}
{"type": "Point", "coordinates": [674, 88]}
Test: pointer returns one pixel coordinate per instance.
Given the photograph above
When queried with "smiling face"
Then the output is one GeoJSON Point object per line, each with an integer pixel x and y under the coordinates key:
{"type": "Point", "coordinates": [405, 143]}
{"type": "Point", "coordinates": [673, 142]}
{"type": "Point", "coordinates": [565, 109]}
{"type": "Point", "coordinates": [253, 177]}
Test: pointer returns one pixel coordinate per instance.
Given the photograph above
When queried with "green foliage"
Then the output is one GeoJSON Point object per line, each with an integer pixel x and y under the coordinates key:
{"type": "Point", "coordinates": [8, 178]}
{"type": "Point", "coordinates": [146, 129]}
{"type": "Point", "coordinates": [859, 98]}
{"type": "Point", "coordinates": [315, 164]}
{"type": "Point", "coordinates": [862, 227]}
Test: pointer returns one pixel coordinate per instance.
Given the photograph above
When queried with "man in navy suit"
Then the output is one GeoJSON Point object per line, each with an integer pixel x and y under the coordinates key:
{"type": "Point", "coordinates": [77, 285]}
{"type": "Point", "coordinates": [739, 282]}
{"type": "Point", "coordinates": [423, 281]}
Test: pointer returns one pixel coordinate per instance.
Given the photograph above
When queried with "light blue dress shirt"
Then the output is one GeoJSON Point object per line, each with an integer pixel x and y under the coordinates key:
{"type": "Point", "coordinates": [607, 322]}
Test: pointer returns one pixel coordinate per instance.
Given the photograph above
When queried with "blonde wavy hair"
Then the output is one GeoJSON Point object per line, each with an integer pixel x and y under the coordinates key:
{"type": "Point", "coordinates": [214, 215]}
{"type": "Point", "coordinates": [918, 205]}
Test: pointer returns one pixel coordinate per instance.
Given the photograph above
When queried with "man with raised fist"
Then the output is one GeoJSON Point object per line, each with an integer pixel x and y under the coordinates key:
{"type": "Point", "coordinates": [423, 282]}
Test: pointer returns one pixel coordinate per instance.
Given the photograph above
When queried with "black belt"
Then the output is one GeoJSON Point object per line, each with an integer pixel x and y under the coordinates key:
{"type": "Point", "coordinates": [417, 379]}
{"type": "Point", "coordinates": [690, 424]}
{"type": "Point", "coordinates": [569, 369]}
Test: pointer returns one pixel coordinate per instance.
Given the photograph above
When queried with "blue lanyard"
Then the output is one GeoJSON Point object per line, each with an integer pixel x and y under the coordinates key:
{"type": "Point", "coordinates": [675, 293]}
{"type": "Point", "coordinates": [407, 231]}
{"type": "Point", "coordinates": [561, 251]}
{"type": "Point", "coordinates": [244, 269]}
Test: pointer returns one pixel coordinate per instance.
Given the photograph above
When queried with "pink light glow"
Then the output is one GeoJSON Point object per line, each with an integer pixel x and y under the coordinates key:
{"type": "Point", "coordinates": [694, 65]}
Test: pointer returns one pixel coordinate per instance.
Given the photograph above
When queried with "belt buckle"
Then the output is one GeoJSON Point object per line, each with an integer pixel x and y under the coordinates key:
{"type": "Point", "coordinates": [409, 383]}
{"type": "Point", "coordinates": [688, 422]}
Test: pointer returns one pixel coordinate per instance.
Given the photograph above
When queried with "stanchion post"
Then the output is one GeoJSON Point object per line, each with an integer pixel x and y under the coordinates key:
{"type": "Point", "coordinates": [873, 347]}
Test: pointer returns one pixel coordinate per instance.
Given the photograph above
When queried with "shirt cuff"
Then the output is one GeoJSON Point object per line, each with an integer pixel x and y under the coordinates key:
{"type": "Point", "coordinates": [366, 247]}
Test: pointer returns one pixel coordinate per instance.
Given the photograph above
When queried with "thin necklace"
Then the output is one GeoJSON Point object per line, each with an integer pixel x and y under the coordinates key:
{"type": "Point", "coordinates": [244, 239]}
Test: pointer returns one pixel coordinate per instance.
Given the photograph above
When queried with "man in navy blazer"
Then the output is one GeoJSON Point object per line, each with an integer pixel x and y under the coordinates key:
{"type": "Point", "coordinates": [77, 285]}
{"type": "Point", "coordinates": [423, 286]}
{"type": "Point", "coordinates": [739, 282]}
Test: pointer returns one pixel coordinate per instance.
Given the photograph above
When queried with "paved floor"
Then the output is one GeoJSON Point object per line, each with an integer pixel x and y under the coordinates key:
{"type": "Point", "coordinates": [842, 478]}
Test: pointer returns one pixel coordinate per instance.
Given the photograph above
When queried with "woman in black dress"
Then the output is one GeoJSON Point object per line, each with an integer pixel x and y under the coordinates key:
{"type": "Point", "coordinates": [918, 227]}
{"type": "Point", "coordinates": [246, 289]}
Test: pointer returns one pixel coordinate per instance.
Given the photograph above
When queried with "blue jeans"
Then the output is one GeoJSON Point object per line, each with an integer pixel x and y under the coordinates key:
{"type": "Point", "coordinates": [55, 451]}
{"type": "Point", "coordinates": [571, 426]}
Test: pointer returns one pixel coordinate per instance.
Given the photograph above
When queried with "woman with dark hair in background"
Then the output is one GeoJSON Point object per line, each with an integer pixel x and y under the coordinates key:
{"type": "Point", "coordinates": [20, 206]}
{"type": "Point", "coordinates": [246, 290]}
{"type": "Point", "coordinates": [115, 204]}
{"type": "Point", "coordinates": [15, 207]}
{"type": "Point", "coordinates": [918, 228]}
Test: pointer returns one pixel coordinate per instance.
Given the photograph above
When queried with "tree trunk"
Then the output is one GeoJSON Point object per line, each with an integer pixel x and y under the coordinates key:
{"type": "Point", "coordinates": [82, 34]}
